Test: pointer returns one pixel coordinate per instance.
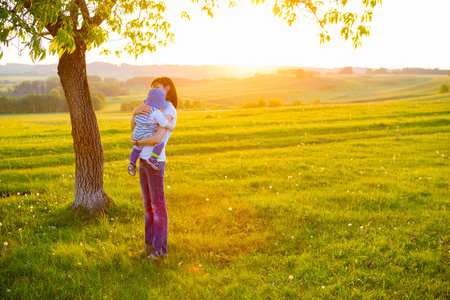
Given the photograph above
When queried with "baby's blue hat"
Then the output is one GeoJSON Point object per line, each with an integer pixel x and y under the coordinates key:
{"type": "Point", "coordinates": [156, 98]}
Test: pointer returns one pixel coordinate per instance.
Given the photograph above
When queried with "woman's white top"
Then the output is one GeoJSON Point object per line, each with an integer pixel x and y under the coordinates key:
{"type": "Point", "coordinates": [147, 151]}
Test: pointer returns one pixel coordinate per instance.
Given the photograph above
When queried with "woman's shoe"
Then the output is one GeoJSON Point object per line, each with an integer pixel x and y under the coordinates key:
{"type": "Point", "coordinates": [147, 250]}
{"type": "Point", "coordinates": [156, 255]}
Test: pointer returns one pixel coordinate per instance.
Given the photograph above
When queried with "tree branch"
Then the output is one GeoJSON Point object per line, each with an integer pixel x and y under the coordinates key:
{"type": "Point", "coordinates": [73, 13]}
{"type": "Point", "coordinates": [98, 18]}
{"type": "Point", "coordinates": [20, 19]}
{"type": "Point", "coordinates": [84, 10]}
{"type": "Point", "coordinates": [52, 29]}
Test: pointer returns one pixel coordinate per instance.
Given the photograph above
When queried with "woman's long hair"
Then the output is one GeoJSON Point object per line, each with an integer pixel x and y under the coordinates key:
{"type": "Point", "coordinates": [172, 94]}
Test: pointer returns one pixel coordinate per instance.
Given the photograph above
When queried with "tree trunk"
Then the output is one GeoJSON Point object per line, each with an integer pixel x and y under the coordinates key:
{"type": "Point", "coordinates": [87, 144]}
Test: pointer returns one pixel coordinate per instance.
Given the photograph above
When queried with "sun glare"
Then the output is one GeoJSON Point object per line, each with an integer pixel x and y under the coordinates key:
{"type": "Point", "coordinates": [251, 35]}
{"type": "Point", "coordinates": [247, 35]}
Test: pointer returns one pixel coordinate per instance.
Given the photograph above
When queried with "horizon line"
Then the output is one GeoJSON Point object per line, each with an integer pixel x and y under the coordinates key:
{"type": "Point", "coordinates": [229, 65]}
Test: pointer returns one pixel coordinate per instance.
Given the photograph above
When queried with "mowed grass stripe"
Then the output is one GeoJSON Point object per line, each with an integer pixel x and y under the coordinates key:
{"type": "Point", "coordinates": [43, 156]}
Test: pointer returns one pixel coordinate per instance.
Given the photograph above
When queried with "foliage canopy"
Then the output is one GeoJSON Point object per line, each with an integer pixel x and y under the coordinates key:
{"type": "Point", "coordinates": [444, 88]}
{"type": "Point", "coordinates": [64, 23]}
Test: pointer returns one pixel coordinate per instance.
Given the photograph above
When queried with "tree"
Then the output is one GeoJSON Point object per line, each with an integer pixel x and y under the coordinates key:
{"type": "Point", "coordinates": [311, 74]}
{"type": "Point", "coordinates": [317, 102]}
{"type": "Point", "coordinates": [378, 71]}
{"type": "Point", "coordinates": [98, 99]}
{"type": "Point", "coordinates": [346, 70]}
{"type": "Point", "coordinates": [187, 104]}
{"type": "Point", "coordinates": [261, 102]}
{"type": "Point", "coordinates": [111, 80]}
{"type": "Point", "coordinates": [300, 74]}
{"type": "Point", "coordinates": [55, 92]}
{"type": "Point", "coordinates": [275, 102]}
{"type": "Point", "coordinates": [72, 27]}
{"type": "Point", "coordinates": [250, 104]}
{"type": "Point", "coordinates": [180, 104]}
{"type": "Point", "coordinates": [95, 78]}
{"type": "Point", "coordinates": [129, 106]}
{"type": "Point", "coordinates": [443, 89]}
{"type": "Point", "coordinates": [7, 105]}
{"type": "Point", "coordinates": [197, 104]}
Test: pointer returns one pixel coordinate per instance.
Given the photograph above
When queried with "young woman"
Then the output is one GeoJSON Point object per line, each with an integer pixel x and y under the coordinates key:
{"type": "Point", "coordinates": [152, 181]}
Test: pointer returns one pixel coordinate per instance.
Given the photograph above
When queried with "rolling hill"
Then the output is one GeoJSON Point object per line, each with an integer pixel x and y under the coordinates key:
{"type": "Point", "coordinates": [329, 88]}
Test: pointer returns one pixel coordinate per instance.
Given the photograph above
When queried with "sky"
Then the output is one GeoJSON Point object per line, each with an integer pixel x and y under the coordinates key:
{"type": "Point", "coordinates": [404, 33]}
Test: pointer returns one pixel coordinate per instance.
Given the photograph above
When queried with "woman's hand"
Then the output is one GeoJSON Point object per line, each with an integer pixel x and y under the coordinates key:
{"type": "Point", "coordinates": [133, 141]}
{"type": "Point", "coordinates": [142, 109]}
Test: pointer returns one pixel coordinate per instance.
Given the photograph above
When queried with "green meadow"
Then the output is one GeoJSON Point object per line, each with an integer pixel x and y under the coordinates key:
{"type": "Point", "coordinates": [346, 201]}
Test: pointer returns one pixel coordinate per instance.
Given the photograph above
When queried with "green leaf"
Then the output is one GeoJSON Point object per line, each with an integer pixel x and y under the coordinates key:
{"type": "Point", "coordinates": [276, 10]}
{"type": "Point", "coordinates": [185, 15]}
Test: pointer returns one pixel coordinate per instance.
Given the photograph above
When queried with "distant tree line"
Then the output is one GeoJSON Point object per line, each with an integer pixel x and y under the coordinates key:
{"type": "Point", "coordinates": [195, 104]}
{"type": "Point", "coordinates": [261, 102]}
{"type": "Point", "coordinates": [182, 104]}
{"type": "Point", "coordinates": [299, 73]}
{"type": "Point", "coordinates": [6, 81]}
{"type": "Point", "coordinates": [42, 96]}
{"type": "Point", "coordinates": [33, 103]}
{"type": "Point", "coordinates": [42, 87]}
{"type": "Point", "coordinates": [139, 80]}
{"type": "Point", "coordinates": [38, 103]}
{"type": "Point", "coordinates": [346, 71]}
{"type": "Point", "coordinates": [129, 106]}
{"type": "Point", "coordinates": [108, 86]}
{"type": "Point", "coordinates": [419, 71]}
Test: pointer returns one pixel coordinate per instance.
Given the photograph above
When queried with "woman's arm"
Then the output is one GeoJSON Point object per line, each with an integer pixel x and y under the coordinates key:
{"type": "Point", "coordinates": [154, 139]}
{"type": "Point", "coordinates": [141, 109]}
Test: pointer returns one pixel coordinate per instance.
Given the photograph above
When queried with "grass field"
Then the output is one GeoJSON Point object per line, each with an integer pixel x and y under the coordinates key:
{"type": "Point", "coordinates": [336, 201]}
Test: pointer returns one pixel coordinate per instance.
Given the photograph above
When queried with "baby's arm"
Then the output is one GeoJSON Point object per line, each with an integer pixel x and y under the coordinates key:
{"type": "Point", "coordinates": [162, 120]}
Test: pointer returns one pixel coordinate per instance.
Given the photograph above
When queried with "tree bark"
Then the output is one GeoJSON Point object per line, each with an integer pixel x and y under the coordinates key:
{"type": "Point", "coordinates": [89, 159]}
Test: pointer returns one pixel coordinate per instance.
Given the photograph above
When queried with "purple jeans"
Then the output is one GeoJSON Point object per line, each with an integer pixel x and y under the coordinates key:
{"type": "Point", "coordinates": [156, 221]}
